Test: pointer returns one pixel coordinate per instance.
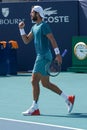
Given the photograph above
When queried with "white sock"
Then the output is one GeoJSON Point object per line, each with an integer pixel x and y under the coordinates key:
{"type": "Point", "coordinates": [64, 96]}
{"type": "Point", "coordinates": [35, 105]}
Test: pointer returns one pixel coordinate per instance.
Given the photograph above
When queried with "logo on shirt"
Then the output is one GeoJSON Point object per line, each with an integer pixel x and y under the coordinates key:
{"type": "Point", "coordinates": [52, 16]}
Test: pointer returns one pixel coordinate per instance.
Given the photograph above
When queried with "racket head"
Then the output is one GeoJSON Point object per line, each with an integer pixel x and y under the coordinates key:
{"type": "Point", "coordinates": [53, 68]}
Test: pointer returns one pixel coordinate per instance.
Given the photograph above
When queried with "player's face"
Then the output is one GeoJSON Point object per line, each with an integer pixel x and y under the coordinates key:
{"type": "Point", "coordinates": [33, 15]}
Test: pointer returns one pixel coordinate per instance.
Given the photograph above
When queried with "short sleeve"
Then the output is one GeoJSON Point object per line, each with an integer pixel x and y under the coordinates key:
{"type": "Point", "coordinates": [46, 29]}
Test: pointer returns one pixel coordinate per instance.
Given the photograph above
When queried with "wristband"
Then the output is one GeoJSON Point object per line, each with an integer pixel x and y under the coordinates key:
{"type": "Point", "coordinates": [22, 31]}
{"type": "Point", "coordinates": [57, 51]}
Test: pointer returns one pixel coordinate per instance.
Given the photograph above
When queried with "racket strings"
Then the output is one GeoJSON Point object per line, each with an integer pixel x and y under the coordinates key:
{"type": "Point", "coordinates": [53, 68]}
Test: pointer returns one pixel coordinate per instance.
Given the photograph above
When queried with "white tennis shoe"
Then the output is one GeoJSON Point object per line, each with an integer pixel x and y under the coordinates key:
{"type": "Point", "coordinates": [70, 103]}
{"type": "Point", "coordinates": [31, 111]}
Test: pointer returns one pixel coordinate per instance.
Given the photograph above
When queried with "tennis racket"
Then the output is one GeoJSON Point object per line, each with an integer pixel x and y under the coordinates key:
{"type": "Point", "coordinates": [53, 68]}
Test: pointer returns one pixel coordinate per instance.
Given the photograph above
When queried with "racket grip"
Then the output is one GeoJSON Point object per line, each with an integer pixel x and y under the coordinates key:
{"type": "Point", "coordinates": [64, 53]}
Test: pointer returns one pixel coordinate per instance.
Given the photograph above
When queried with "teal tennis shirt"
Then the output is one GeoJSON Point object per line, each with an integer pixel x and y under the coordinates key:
{"type": "Point", "coordinates": [40, 40]}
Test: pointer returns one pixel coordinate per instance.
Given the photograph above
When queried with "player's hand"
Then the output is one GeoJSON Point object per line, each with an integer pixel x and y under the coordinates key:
{"type": "Point", "coordinates": [59, 59]}
{"type": "Point", "coordinates": [21, 25]}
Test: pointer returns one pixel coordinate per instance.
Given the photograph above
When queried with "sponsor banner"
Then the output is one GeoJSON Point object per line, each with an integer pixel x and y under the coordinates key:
{"type": "Point", "coordinates": [61, 16]}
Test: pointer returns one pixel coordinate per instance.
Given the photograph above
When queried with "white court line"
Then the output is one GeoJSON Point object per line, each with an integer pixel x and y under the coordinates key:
{"type": "Point", "coordinates": [41, 124]}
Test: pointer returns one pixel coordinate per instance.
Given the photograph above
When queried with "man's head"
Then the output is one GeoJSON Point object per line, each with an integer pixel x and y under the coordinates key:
{"type": "Point", "coordinates": [37, 11]}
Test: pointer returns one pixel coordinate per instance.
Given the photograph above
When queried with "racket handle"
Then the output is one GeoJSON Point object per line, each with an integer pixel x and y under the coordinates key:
{"type": "Point", "coordinates": [64, 53]}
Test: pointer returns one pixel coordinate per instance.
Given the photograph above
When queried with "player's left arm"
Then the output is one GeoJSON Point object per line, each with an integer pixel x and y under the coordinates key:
{"type": "Point", "coordinates": [55, 47]}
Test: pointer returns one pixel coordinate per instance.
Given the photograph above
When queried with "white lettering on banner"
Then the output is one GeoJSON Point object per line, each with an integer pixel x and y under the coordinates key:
{"type": "Point", "coordinates": [10, 21]}
{"type": "Point", "coordinates": [51, 16]}
{"type": "Point", "coordinates": [57, 19]}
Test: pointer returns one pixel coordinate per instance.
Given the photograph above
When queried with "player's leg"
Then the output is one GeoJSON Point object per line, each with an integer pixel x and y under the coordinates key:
{"type": "Point", "coordinates": [35, 86]}
{"type": "Point", "coordinates": [47, 84]}
{"type": "Point", "coordinates": [34, 110]}
{"type": "Point", "coordinates": [68, 99]}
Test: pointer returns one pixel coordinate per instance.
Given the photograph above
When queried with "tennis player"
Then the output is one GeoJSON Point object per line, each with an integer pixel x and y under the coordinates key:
{"type": "Point", "coordinates": [42, 35]}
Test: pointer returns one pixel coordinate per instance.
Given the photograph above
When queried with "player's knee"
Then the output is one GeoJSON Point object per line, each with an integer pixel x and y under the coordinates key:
{"type": "Point", "coordinates": [45, 84]}
{"type": "Point", "coordinates": [35, 79]}
{"type": "Point", "coordinates": [33, 82]}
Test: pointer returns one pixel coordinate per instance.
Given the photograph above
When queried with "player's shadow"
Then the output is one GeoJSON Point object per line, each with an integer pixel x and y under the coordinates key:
{"type": "Point", "coordinates": [71, 115]}
{"type": "Point", "coordinates": [78, 115]}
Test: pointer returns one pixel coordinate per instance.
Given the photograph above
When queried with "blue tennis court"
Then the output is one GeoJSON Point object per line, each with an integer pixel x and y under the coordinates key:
{"type": "Point", "coordinates": [16, 97]}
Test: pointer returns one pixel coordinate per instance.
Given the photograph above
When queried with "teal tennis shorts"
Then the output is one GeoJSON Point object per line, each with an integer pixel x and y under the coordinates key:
{"type": "Point", "coordinates": [41, 62]}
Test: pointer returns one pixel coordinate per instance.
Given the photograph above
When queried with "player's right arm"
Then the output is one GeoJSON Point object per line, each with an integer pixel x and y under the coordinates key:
{"type": "Point", "coordinates": [25, 37]}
